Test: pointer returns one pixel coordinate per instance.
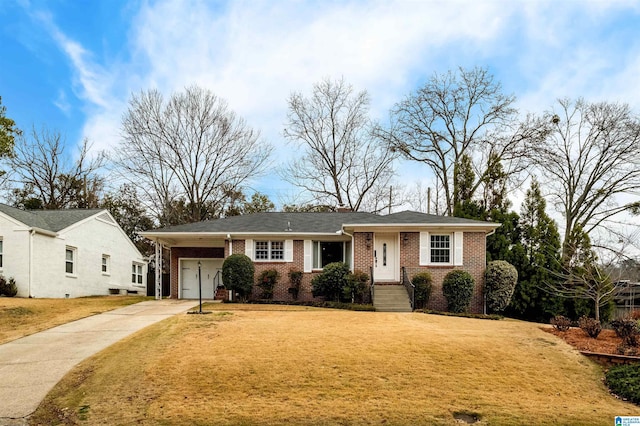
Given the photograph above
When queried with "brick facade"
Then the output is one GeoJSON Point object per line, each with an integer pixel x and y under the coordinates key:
{"type": "Point", "coordinates": [474, 261]}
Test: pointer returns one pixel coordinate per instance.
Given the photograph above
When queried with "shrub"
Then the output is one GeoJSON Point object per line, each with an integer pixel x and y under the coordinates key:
{"type": "Point", "coordinates": [635, 314]}
{"type": "Point", "coordinates": [624, 381]}
{"type": "Point", "coordinates": [628, 330]}
{"type": "Point", "coordinates": [356, 287]}
{"type": "Point", "coordinates": [590, 326]}
{"type": "Point", "coordinates": [423, 283]}
{"type": "Point", "coordinates": [295, 280]}
{"type": "Point", "coordinates": [3, 285]}
{"type": "Point", "coordinates": [267, 280]}
{"type": "Point", "coordinates": [560, 323]}
{"type": "Point", "coordinates": [331, 281]}
{"type": "Point", "coordinates": [10, 288]}
{"type": "Point", "coordinates": [500, 282]}
{"type": "Point", "coordinates": [457, 288]}
{"type": "Point", "coordinates": [237, 274]}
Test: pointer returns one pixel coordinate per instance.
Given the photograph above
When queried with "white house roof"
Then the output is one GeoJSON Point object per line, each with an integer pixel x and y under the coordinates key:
{"type": "Point", "coordinates": [50, 220]}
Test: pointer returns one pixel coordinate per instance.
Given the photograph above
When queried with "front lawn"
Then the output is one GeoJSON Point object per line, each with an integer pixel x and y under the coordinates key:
{"type": "Point", "coordinates": [20, 317]}
{"type": "Point", "coordinates": [269, 365]}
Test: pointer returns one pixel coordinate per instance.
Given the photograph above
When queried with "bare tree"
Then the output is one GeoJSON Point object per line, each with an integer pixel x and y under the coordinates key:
{"type": "Point", "coordinates": [48, 178]}
{"type": "Point", "coordinates": [582, 275]}
{"type": "Point", "coordinates": [457, 114]}
{"type": "Point", "coordinates": [188, 153]}
{"type": "Point", "coordinates": [341, 163]}
{"type": "Point", "coordinates": [590, 157]}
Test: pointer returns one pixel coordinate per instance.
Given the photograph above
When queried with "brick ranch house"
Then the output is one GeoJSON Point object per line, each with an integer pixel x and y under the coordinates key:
{"type": "Point", "coordinates": [381, 245]}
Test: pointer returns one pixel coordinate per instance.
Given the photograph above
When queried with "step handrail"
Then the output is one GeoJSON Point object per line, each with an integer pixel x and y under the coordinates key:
{"type": "Point", "coordinates": [410, 287]}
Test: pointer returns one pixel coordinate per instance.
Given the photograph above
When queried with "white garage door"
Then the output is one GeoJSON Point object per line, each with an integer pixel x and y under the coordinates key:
{"type": "Point", "coordinates": [189, 277]}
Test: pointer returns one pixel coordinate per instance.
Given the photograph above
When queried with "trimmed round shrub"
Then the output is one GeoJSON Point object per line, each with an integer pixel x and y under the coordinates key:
{"type": "Point", "coordinates": [423, 283]}
{"type": "Point", "coordinates": [331, 282]}
{"type": "Point", "coordinates": [500, 279]}
{"type": "Point", "coordinates": [457, 288]}
{"type": "Point", "coordinates": [10, 288]}
{"type": "Point", "coordinates": [237, 274]}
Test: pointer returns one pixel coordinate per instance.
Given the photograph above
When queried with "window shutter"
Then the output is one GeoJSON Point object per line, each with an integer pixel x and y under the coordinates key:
{"type": "Point", "coordinates": [457, 250]}
{"type": "Point", "coordinates": [308, 250]}
{"type": "Point", "coordinates": [425, 244]}
{"type": "Point", "coordinates": [288, 250]}
{"type": "Point", "coordinates": [248, 248]}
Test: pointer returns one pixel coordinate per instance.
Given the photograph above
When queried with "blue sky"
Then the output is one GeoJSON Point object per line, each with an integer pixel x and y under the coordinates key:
{"type": "Point", "coordinates": [71, 65]}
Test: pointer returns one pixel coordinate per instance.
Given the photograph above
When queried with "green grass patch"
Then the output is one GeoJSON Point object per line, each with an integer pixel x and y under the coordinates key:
{"type": "Point", "coordinates": [624, 381]}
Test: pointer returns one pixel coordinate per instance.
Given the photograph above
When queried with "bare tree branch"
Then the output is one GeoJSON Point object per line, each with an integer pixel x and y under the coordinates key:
{"type": "Point", "coordinates": [342, 162]}
{"type": "Point", "coordinates": [188, 153]}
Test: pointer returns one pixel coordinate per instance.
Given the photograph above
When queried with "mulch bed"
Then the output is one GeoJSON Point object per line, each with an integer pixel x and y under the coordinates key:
{"type": "Point", "coordinates": [606, 343]}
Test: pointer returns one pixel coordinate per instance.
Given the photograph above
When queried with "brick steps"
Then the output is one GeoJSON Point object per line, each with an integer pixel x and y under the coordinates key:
{"type": "Point", "coordinates": [391, 298]}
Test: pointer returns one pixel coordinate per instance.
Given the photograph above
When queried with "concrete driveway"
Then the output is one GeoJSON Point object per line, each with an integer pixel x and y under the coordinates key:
{"type": "Point", "coordinates": [32, 365]}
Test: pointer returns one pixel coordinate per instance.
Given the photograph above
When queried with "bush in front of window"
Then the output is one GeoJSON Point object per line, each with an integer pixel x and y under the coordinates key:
{"type": "Point", "coordinates": [356, 287]}
{"type": "Point", "coordinates": [331, 282]}
{"type": "Point", "coordinates": [237, 274]}
{"type": "Point", "coordinates": [500, 279]}
{"type": "Point", "coordinates": [8, 287]}
{"type": "Point", "coordinates": [457, 288]}
{"type": "Point", "coordinates": [423, 283]}
{"type": "Point", "coordinates": [267, 281]}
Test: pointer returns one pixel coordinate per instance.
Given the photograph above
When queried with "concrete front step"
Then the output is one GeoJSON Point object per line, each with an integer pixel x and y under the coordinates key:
{"type": "Point", "coordinates": [391, 298]}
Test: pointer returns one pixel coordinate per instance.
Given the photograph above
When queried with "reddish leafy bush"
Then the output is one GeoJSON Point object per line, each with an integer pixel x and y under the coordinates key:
{"type": "Point", "coordinates": [560, 323]}
{"type": "Point", "coordinates": [590, 326]}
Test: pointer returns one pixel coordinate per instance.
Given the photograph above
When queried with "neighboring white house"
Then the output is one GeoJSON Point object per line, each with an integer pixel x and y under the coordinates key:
{"type": "Point", "coordinates": [68, 253]}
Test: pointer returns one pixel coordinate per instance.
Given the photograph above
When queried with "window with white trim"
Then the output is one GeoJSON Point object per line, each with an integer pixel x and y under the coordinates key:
{"type": "Point", "coordinates": [136, 273]}
{"type": "Point", "coordinates": [325, 252]}
{"type": "Point", "coordinates": [70, 260]}
{"type": "Point", "coordinates": [440, 246]}
{"type": "Point", "coordinates": [269, 250]}
{"type": "Point", "coordinates": [106, 260]}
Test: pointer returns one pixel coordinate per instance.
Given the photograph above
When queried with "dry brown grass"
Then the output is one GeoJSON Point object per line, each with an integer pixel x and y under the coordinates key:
{"type": "Point", "coordinates": [279, 365]}
{"type": "Point", "coordinates": [20, 317]}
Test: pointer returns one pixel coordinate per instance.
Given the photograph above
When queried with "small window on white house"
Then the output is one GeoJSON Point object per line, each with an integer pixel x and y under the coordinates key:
{"type": "Point", "coordinates": [106, 259]}
{"type": "Point", "coordinates": [269, 250]}
{"type": "Point", "coordinates": [136, 273]}
{"type": "Point", "coordinates": [441, 248]}
{"type": "Point", "coordinates": [70, 260]}
{"type": "Point", "coordinates": [1, 251]}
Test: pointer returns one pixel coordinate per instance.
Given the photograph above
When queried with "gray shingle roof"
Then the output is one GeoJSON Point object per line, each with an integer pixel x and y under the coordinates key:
{"type": "Point", "coordinates": [51, 220]}
{"type": "Point", "coordinates": [274, 222]}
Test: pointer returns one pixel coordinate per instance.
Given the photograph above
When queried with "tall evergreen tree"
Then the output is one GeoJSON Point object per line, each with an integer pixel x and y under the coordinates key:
{"type": "Point", "coordinates": [541, 244]}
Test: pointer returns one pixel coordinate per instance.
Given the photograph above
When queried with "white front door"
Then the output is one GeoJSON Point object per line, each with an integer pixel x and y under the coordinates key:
{"type": "Point", "coordinates": [384, 257]}
{"type": "Point", "coordinates": [190, 281]}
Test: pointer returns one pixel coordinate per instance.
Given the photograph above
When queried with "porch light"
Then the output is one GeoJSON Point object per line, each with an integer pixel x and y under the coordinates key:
{"type": "Point", "coordinates": [368, 240]}
{"type": "Point", "coordinates": [405, 239]}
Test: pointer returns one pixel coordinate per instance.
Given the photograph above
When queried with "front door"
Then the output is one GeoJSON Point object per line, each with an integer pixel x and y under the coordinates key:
{"type": "Point", "coordinates": [190, 280]}
{"type": "Point", "coordinates": [384, 257]}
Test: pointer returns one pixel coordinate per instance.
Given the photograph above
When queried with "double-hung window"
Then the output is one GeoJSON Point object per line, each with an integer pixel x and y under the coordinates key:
{"type": "Point", "coordinates": [70, 260]}
{"type": "Point", "coordinates": [269, 250]}
{"type": "Point", "coordinates": [136, 273]}
{"type": "Point", "coordinates": [441, 248]}
{"type": "Point", "coordinates": [105, 264]}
